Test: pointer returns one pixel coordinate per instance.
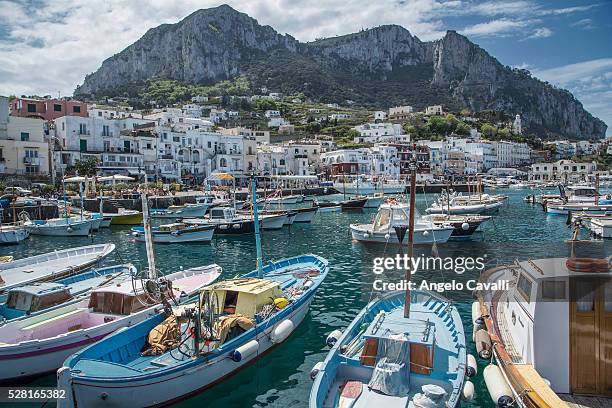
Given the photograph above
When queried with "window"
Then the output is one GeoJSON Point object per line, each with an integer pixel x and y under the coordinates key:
{"type": "Point", "coordinates": [524, 287]}
{"type": "Point", "coordinates": [57, 107]}
{"type": "Point", "coordinates": [105, 130]}
{"type": "Point", "coordinates": [25, 136]}
{"type": "Point", "coordinates": [76, 109]}
{"type": "Point", "coordinates": [82, 129]}
{"type": "Point", "coordinates": [106, 146]}
{"type": "Point", "coordinates": [100, 114]}
{"type": "Point", "coordinates": [209, 145]}
{"type": "Point", "coordinates": [63, 125]}
{"type": "Point", "coordinates": [31, 153]}
{"type": "Point", "coordinates": [176, 139]}
{"type": "Point", "coordinates": [31, 107]}
{"type": "Point", "coordinates": [553, 290]}
{"type": "Point", "coordinates": [282, 162]}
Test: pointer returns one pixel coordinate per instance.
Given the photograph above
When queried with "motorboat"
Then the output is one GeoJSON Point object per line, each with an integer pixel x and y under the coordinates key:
{"type": "Point", "coordinates": [228, 221]}
{"type": "Point", "coordinates": [345, 205]}
{"type": "Point", "coordinates": [177, 232]}
{"type": "Point", "coordinates": [50, 266]}
{"type": "Point", "coordinates": [284, 199]}
{"type": "Point", "coordinates": [12, 233]}
{"type": "Point", "coordinates": [384, 359]}
{"type": "Point", "coordinates": [476, 204]}
{"type": "Point", "coordinates": [357, 185]}
{"type": "Point", "coordinates": [234, 323]}
{"type": "Point", "coordinates": [374, 200]}
{"type": "Point", "coordinates": [125, 217]}
{"type": "Point", "coordinates": [29, 300]}
{"type": "Point", "coordinates": [391, 223]}
{"type": "Point", "coordinates": [546, 324]}
{"type": "Point", "coordinates": [188, 210]}
{"type": "Point", "coordinates": [554, 208]}
{"type": "Point", "coordinates": [41, 343]}
{"type": "Point", "coordinates": [464, 225]}
{"type": "Point", "coordinates": [60, 227]}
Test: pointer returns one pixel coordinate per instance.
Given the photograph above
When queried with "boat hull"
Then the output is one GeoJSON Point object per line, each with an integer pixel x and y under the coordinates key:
{"type": "Point", "coordinates": [76, 229]}
{"type": "Point", "coordinates": [188, 211]}
{"type": "Point", "coordinates": [125, 219]}
{"type": "Point", "coordinates": [480, 209]}
{"type": "Point", "coordinates": [202, 234]}
{"type": "Point", "coordinates": [305, 214]}
{"type": "Point", "coordinates": [274, 222]}
{"type": "Point", "coordinates": [13, 236]}
{"type": "Point", "coordinates": [364, 233]}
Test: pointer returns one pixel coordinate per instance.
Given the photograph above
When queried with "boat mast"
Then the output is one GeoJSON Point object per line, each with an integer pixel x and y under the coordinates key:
{"type": "Point", "coordinates": [148, 235]}
{"type": "Point", "coordinates": [410, 230]}
{"type": "Point", "coordinates": [256, 222]}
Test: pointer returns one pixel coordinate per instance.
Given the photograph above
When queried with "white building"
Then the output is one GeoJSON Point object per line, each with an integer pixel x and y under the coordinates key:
{"type": "Point", "coordinates": [565, 170]}
{"type": "Point", "coordinates": [584, 147]}
{"type": "Point", "coordinates": [272, 160]}
{"type": "Point", "coordinates": [277, 122]}
{"type": "Point", "coordinates": [564, 149]}
{"type": "Point", "coordinates": [384, 160]}
{"type": "Point", "coordinates": [510, 154]}
{"type": "Point", "coordinates": [261, 136]}
{"type": "Point", "coordinates": [380, 115]}
{"type": "Point", "coordinates": [381, 132]}
{"type": "Point", "coordinates": [23, 148]}
{"type": "Point", "coordinates": [434, 110]}
{"type": "Point", "coordinates": [436, 154]}
{"type": "Point", "coordinates": [517, 127]}
{"type": "Point", "coordinates": [272, 114]}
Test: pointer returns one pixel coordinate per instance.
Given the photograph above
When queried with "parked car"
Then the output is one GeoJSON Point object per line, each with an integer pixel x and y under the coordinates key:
{"type": "Point", "coordinates": [17, 191]}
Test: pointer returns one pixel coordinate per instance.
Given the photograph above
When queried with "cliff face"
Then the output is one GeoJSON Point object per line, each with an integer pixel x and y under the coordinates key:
{"type": "Point", "coordinates": [379, 67]}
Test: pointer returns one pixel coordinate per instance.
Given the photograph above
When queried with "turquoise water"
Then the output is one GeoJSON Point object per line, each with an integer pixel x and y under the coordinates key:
{"type": "Point", "coordinates": [281, 378]}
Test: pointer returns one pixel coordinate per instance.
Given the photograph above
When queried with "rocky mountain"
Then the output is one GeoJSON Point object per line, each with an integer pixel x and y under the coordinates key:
{"type": "Point", "coordinates": [381, 67]}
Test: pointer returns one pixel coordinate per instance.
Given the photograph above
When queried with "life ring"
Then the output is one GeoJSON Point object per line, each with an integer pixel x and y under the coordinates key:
{"type": "Point", "coordinates": [586, 265]}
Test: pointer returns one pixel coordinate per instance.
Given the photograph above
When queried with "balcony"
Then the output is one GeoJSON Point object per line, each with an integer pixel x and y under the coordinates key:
{"type": "Point", "coordinates": [34, 161]}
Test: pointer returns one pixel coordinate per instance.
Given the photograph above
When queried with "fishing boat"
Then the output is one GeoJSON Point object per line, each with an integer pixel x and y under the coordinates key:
{"type": "Point", "coordinates": [404, 349]}
{"type": "Point", "coordinates": [41, 343]}
{"type": "Point", "coordinates": [390, 225]}
{"type": "Point", "coordinates": [60, 227]}
{"type": "Point", "coordinates": [384, 359]}
{"type": "Point", "coordinates": [34, 298]}
{"type": "Point", "coordinates": [375, 200]}
{"type": "Point", "coordinates": [546, 323]}
{"type": "Point", "coordinates": [484, 204]}
{"type": "Point", "coordinates": [176, 233]}
{"type": "Point", "coordinates": [345, 205]}
{"type": "Point", "coordinates": [235, 322]}
{"type": "Point", "coordinates": [50, 266]}
{"type": "Point", "coordinates": [464, 225]}
{"type": "Point", "coordinates": [125, 217]}
{"type": "Point", "coordinates": [188, 210]}
{"type": "Point", "coordinates": [12, 234]}
{"type": "Point", "coordinates": [229, 222]}
{"type": "Point", "coordinates": [282, 200]}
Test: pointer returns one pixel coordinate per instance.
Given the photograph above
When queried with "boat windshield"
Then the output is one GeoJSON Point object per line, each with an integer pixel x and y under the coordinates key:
{"type": "Point", "coordinates": [382, 221]}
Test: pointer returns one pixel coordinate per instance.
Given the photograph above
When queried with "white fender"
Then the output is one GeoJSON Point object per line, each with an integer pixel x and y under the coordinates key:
{"type": "Point", "coordinates": [476, 312]}
{"type": "Point", "coordinates": [483, 343]}
{"type": "Point", "coordinates": [282, 331]}
{"type": "Point", "coordinates": [465, 226]}
{"type": "Point", "coordinates": [472, 368]}
{"type": "Point", "coordinates": [333, 338]}
{"type": "Point", "coordinates": [467, 393]}
{"type": "Point", "coordinates": [246, 350]}
{"type": "Point", "coordinates": [497, 386]}
{"type": "Point", "coordinates": [315, 370]}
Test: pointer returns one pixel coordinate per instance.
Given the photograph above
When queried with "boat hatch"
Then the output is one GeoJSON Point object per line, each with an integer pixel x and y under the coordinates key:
{"type": "Point", "coordinates": [117, 303]}
{"type": "Point", "coordinates": [33, 298]}
{"type": "Point", "coordinates": [419, 333]}
{"type": "Point", "coordinates": [244, 296]}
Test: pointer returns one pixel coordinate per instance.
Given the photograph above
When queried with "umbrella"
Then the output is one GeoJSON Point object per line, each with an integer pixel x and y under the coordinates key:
{"type": "Point", "coordinates": [221, 176]}
{"type": "Point", "coordinates": [116, 177]}
{"type": "Point", "coordinates": [75, 179]}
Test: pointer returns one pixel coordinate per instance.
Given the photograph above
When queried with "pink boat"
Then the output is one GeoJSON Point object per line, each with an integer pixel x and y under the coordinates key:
{"type": "Point", "coordinates": [40, 344]}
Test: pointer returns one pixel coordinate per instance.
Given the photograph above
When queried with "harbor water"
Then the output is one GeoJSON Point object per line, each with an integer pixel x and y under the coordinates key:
{"type": "Point", "coordinates": [281, 378]}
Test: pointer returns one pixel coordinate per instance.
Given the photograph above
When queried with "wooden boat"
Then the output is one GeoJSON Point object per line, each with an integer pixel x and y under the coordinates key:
{"type": "Point", "coordinates": [32, 299]}
{"type": "Point", "coordinates": [422, 355]}
{"type": "Point", "coordinates": [177, 233]}
{"type": "Point", "coordinates": [547, 325]}
{"type": "Point", "coordinates": [51, 266]}
{"type": "Point", "coordinates": [60, 227]}
{"type": "Point", "coordinates": [236, 321]}
{"type": "Point", "coordinates": [391, 223]}
{"type": "Point", "coordinates": [41, 343]}
{"type": "Point", "coordinates": [125, 217]}
{"type": "Point", "coordinates": [12, 234]}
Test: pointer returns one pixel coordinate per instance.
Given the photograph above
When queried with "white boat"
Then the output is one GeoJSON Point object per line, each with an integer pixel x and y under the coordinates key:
{"type": "Point", "coordinates": [41, 344]}
{"type": "Point", "coordinates": [60, 227]}
{"type": "Point", "coordinates": [176, 233]}
{"type": "Point", "coordinates": [601, 226]}
{"type": "Point", "coordinates": [546, 323]}
{"type": "Point", "coordinates": [288, 199]}
{"type": "Point", "coordinates": [181, 211]}
{"type": "Point", "coordinates": [12, 234]}
{"type": "Point", "coordinates": [472, 204]}
{"type": "Point", "coordinates": [586, 208]}
{"type": "Point", "coordinates": [51, 266]}
{"type": "Point", "coordinates": [358, 185]}
{"type": "Point", "coordinates": [375, 200]}
{"type": "Point", "coordinates": [391, 223]}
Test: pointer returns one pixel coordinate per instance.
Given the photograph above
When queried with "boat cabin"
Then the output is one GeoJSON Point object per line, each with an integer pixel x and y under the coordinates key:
{"type": "Point", "coordinates": [222, 213]}
{"type": "Point", "coordinates": [118, 300]}
{"type": "Point", "coordinates": [33, 298]}
{"type": "Point", "coordinates": [557, 315]}
{"type": "Point", "coordinates": [392, 214]}
{"type": "Point", "coordinates": [244, 296]}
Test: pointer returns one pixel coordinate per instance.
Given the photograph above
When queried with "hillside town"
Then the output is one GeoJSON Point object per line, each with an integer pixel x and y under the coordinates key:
{"type": "Point", "coordinates": [42, 139]}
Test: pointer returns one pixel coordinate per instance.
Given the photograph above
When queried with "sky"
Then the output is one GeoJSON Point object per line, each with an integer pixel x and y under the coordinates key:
{"type": "Point", "coordinates": [48, 46]}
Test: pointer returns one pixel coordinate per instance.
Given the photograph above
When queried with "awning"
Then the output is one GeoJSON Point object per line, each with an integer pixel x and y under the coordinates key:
{"type": "Point", "coordinates": [221, 176]}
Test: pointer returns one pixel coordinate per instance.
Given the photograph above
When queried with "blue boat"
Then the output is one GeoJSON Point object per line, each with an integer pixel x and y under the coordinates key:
{"type": "Point", "coordinates": [34, 298]}
{"type": "Point", "coordinates": [386, 360]}
{"type": "Point", "coordinates": [187, 349]}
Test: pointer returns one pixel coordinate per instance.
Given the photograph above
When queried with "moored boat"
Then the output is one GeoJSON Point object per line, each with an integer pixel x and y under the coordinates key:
{"type": "Point", "coordinates": [12, 234]}
{"type": "Point", "coordinates": [181, 211]}
{"type": "Point", "coordinates": [125, 217]}
{"type": "Point", "coordinates": [464, 225]}
{"type": "Point", "coordinates": [60, 227]}
{"type": "Point", "coordinates": [176, 233]}
{"type": "Point", "coordinates": [50, 266]}
{"type": "Point", "coordinates": [305, 214]}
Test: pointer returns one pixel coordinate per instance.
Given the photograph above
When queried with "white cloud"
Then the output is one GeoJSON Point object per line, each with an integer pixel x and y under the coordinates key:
{"type": "Point", "coordinates": [541, 33]}
{"type": "Point", "coordinates": [590, 81]}
{"type": "Point", "coordinates": [585, 23]}
{"type": "Point", "coordinates": [498, 27]}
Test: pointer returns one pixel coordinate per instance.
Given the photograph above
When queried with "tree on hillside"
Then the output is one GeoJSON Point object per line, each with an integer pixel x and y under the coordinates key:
{"type": "Point", "coordinates": [504, 133]}
{"type": "Point", "coordinates": [265, 104]}
{"type": "Point", "coordinates": [462, 128]}
{"type": "Point", "coordinates": [87, 166]}
{"type": "Point", "coordinates": [488, 130]}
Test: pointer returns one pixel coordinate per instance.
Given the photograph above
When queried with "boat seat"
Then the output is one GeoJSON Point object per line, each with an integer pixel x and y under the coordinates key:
{"type": "Point", "coordinates": [92, 367]}
{"type": "Point", "coordinates": [53, 319]}
{"type": "Point", "coordinates": [370, 398]}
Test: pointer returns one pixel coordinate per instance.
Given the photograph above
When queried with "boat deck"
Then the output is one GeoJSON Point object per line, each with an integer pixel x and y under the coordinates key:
{"type": "Point", "coordinates": [586, 401]}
